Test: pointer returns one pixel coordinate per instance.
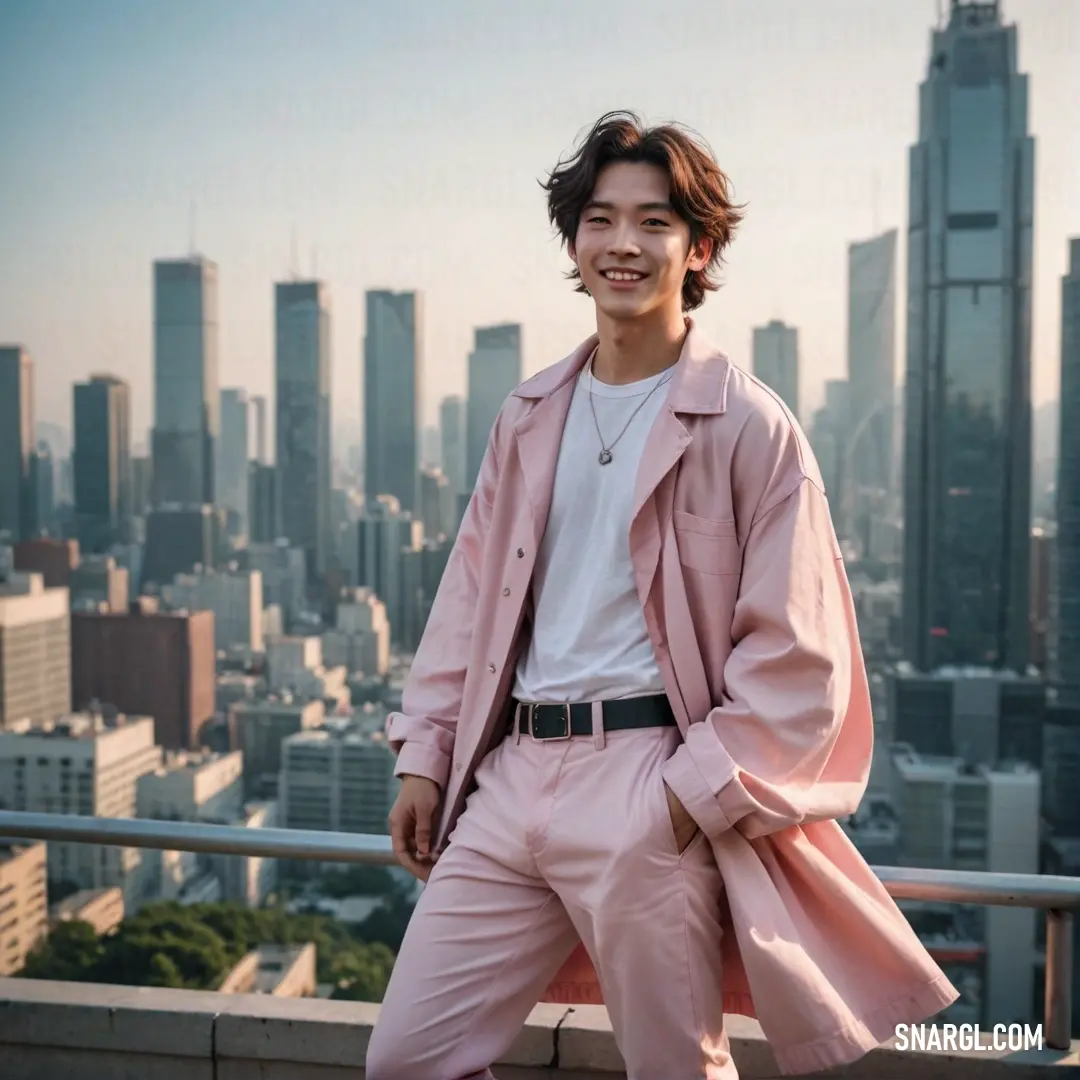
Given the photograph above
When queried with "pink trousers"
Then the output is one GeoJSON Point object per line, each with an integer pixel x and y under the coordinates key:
{"type": "Point", "coordinates": [562, 840]}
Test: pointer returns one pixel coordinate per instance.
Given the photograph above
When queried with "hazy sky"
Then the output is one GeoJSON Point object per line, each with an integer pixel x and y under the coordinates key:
{"type": "Point", "coordinates": [403, 143]}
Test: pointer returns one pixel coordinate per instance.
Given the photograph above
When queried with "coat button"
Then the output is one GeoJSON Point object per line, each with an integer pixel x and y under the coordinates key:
{"type": "Point", "coordinates": [521, 553]}
{"type": "Point", "coordinates": [491, 668]}
{"type": "Point", "coordinates": [459, 766]}
{"type": "Point", "coordinates": [506, 592]}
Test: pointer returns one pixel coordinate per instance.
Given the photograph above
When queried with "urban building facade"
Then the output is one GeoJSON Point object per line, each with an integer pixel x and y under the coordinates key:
{"type": "Point", "coordinates": [452, 415]}
{"type": "Point", "coordinates": [147, 662]}
{"type": "Point", "coordinates": [967, 486]}
{"type": "Point", "coordinates": [1065, 669]}
{"type": "Point", "coordinates": [231, 487]}
{"type": "Point", "coordinates": [302, 428]}
{"type": "Point", "coordinates": [102, 462]}
{"type": "Point", "coordinates": [35, 651]}
{"type": "Point", "coordinates": [16, 441]}
{"type": "Point", "coordinates": [186, 403]}
{"type": "Point", "coordinates": [393, 350]}
{"type": "Point", "coordinates": [24, 906]}
{"type": "Point", "coordinates": [495, 371]}
{"type": "Point", "coordinates": [776, 361]}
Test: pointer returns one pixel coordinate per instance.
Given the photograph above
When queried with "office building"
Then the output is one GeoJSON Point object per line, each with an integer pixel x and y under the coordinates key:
{"type": "Point", "coordinates": [24, 908]}
{"type": "Point", "coordinates": [150, 662]}
{"type": "Point", "coordinates": [958, 817]}
{"type": "Point", "coordinates": [265, 503]}
{"type": "Point", "coordinates": [302, 427]}
{"type": "Point", "coordinates": [103, 909]}
{"type": "Point", "coordinates": [16, 441]}
{"type": "Point", "coordinates": [776, 361]}
{"type": "Point", "coordinates": [871, 358]}
{"type": "Point", "coordinates": [178, 539]}
{"type": "Point", "coordinates": [82, 763]}
{"type": "Point", "coordinates": [259, 728]}
{"type": "Point", "coordinates": [186, 403]}
{"type": "Point", "coordinates": [258, 404]}
{"type": "Point", "coordinates": [1065, 669]}
{"type": "Point", "coordinates": [190, 786]}
{"type": "Point", "coordinates": [383, 534]}
{"type": "Point", "coordinates": [35, 650]}
{"type": "Point", "coordinates": [360, 640]}
{"type": "Point", "coordinates": [41, 494]}
{"type": "Point", "coordinates": [437, 504]}
{"type": "Point", "coordinates": [97, 584]}
{"type": "Point", "coordinates": [980, 716]}
{"type": "Point", "coordinates": [234, 596]}
{"type": "Point", "coordinates": [337, 778]}
{"type": "Point", "coordinates": [231, 488]}
{"type": "Point", "coordinates": [393, 350]}
{"type": "Point", "coordinates": [284, 571]}
{"type": "Point", "coordinates": [142, 475]}
{"type": "Point", "coordinates": [967, 458]}
{"type": "Point", "coordinates": [102, 462]}
{"type": "Point", "coordinates": [494, 373]}
{"type": "Point", "coordinates": [54, 560]}
{"type": "Point", "coordinates": [452, 422]}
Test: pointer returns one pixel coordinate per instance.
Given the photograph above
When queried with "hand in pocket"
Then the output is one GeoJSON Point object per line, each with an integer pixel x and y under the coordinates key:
{"type": "Point", "coordinates": [682, 823]}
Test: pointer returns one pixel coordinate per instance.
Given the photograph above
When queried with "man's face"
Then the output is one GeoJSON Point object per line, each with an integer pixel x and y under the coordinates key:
{"type": "Point", "coordinates": [629, 225]}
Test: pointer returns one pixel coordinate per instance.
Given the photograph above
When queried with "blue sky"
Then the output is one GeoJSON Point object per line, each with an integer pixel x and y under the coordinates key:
{"type": "Point", "coordinates": [403, 144]}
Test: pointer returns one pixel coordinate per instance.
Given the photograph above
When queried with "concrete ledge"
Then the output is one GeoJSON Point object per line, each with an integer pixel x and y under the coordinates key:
{"type": "Point", "coordinates": [80, 1031]}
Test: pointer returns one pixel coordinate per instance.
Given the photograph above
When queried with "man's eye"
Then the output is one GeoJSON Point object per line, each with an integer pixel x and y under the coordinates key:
{"type": "Point", "coordinates": [655, 221]}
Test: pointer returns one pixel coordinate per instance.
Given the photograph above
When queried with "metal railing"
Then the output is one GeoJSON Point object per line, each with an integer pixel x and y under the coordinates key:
{"type": "Point", "coordinates": [1059, 897]}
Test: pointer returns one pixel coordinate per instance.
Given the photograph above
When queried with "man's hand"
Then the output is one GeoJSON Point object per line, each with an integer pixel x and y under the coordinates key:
{"type": "Point", "coordinates": [684, 825]}
{"type": "Point", "coordinates": [411, 821]}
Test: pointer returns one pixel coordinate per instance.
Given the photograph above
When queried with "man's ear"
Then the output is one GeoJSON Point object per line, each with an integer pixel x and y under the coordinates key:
{"type": "Point", "coordinates": [572, 251]}
{"type": "Point", "coordinates": [702, 253]}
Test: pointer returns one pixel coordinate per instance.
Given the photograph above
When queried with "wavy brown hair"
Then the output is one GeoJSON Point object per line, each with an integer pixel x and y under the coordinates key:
{"type": "Point", "coordinates": [700, 190]}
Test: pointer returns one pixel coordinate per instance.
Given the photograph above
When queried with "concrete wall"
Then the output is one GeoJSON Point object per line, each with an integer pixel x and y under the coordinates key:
{"type": "Point", "coordinates": [74, 1031]}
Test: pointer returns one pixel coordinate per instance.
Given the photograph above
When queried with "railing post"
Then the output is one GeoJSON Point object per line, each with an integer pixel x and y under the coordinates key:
{"type": "Point", "coordinates": [1059, 955]}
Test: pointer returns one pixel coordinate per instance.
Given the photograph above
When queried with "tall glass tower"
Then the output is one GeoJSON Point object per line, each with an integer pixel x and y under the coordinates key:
{"type": "Point", "coordinates": [302, 428]}
{"type": "Point", "coordinates": [185, 380]}
{"type": "Point", "coordinates": [967, 467]}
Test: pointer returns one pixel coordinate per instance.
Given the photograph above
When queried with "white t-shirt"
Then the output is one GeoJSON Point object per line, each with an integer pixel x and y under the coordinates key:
{"type": "Point", "coordinates": [589, 640]}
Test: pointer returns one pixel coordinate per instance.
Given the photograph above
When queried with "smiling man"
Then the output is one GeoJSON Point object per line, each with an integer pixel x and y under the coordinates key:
{"type": "Point", "coordinates": [640, 706]}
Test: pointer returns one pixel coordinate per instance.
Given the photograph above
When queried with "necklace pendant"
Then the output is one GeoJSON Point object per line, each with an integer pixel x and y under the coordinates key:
{"type": "Point", "coordinates": [605, 457]}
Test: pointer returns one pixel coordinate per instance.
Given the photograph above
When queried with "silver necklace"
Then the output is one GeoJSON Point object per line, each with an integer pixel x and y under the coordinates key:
{"type": "Point", "coordinates": [605, 451]}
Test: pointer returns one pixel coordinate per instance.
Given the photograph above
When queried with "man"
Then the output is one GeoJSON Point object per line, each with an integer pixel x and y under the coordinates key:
{"type": "Point", "coordinates": [640, 704]}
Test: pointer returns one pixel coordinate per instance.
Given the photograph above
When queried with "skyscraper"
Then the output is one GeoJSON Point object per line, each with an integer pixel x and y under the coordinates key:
{"type": "Point", "coordinates": [393, 347]}
{"type": "Point", "coordinates": [871, 356]}
{"type": "Point", "coordinates": [102, 462]}
{"type": "Point", "coordinates": [967, 461]}
{"type": "Point", "coordinates": [302, 427]}
{"type": "Point", "coordinates": [16, 439]}
{"type": "Point", "coordinates": [259, 404]}
{"type": "Point", "coordinates": [185, 380]}
{"type": "Point", "coordinates": [231, 486]}
{"type": "Point", "coordinates": [1065, 655]}
{"type": "Point", "coordinates": [494, 374]}
{"type": "Point", "coordinates": [452, 433]}
{"type": "Point", "coordinates": [776, 360]}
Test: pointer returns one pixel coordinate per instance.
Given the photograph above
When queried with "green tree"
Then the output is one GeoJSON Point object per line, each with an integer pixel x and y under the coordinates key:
{"type": "Point", "coordinates": [69, 954]}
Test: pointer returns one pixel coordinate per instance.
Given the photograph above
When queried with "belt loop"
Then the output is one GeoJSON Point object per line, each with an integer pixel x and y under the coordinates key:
{"type": "Point", "coordinates": [517, 722]}
{"type": "Point", "coordinates": [599, 738]}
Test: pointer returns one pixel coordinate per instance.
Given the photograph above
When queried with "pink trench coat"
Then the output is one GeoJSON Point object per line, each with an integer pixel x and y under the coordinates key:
{"type": "Point", "coordinates": [747, 602]}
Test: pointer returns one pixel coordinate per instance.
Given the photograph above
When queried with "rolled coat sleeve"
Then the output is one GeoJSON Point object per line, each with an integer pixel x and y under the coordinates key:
{"type": "Point", "coordinates": [422, 733]}
{"type": "Point", "coordinates": [791, 740]}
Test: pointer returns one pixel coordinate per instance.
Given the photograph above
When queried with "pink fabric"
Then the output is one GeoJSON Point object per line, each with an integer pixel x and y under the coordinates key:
{"type": "Point", "coordinates": [562, 841]}
{"type": "Point", "coordinates": [749, 609]}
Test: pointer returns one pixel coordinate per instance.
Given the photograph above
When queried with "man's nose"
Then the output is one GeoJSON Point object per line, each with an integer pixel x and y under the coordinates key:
{"type": "Point", "coordinates": [623, 240]}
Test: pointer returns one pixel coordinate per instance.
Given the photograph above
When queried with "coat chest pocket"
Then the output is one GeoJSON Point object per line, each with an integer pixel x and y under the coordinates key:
{"type": "Point", "coordinates": [705, 545]}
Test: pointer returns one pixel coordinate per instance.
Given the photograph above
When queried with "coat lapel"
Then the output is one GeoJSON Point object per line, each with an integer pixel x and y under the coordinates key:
{"type": "Point", "coordinates": [538, 433]}
{"type": "Point", "coordinates": [698, 386]}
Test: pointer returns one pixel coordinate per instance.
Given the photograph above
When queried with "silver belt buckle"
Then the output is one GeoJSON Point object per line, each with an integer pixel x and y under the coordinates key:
{"type": "Point", "coordinates": [532, 706]}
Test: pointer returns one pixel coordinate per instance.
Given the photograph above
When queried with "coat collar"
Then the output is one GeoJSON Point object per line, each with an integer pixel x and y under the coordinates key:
{"type": "Point", "coordinates": [699, 384]}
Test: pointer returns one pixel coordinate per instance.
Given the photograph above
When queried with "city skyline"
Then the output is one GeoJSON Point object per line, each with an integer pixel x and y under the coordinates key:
{"type": "Point", "coordinates": [386, 187]}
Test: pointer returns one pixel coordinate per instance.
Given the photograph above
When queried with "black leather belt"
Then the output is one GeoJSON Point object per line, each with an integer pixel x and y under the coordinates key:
{"type": "Point", "coordinates": [544, 720]}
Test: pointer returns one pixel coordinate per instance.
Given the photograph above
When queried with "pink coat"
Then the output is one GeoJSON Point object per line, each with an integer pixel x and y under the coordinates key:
{"type": "Point", "coordinates": [747, 602]}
